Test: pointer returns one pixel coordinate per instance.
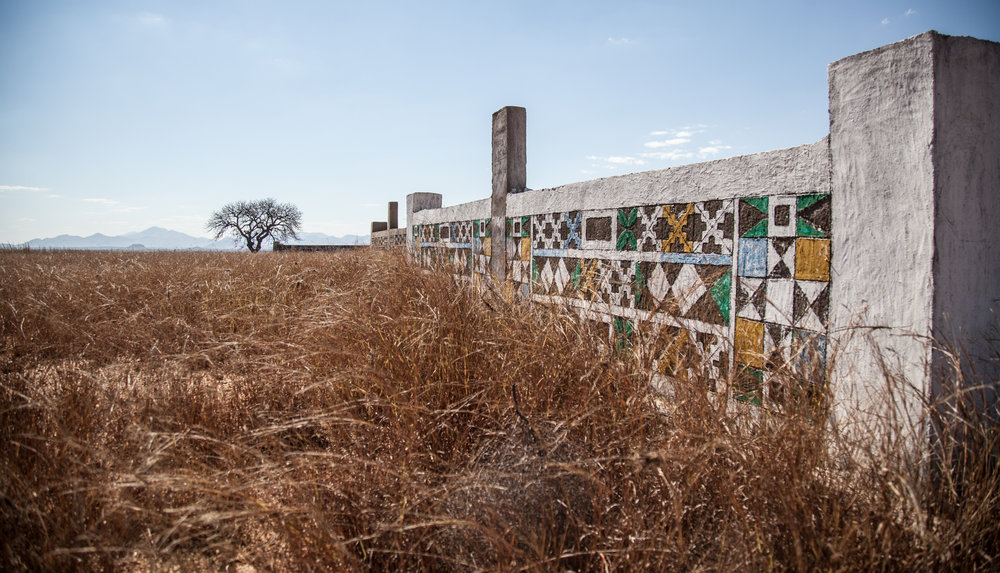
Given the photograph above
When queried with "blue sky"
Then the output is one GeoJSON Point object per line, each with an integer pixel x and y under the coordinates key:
{"type": "Point", "coordinates": [120, 115]}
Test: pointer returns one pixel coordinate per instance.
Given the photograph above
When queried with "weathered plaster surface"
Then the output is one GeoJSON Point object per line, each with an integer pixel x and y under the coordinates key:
{"type": "Point", "coordinates": [916, 165]}
{"type": "Point", "coordinates": [966, 163]}
{"type": "Point", "coordinates": [509, 173]}
{"type": "Point", "coordinates": [881, 132]}
{"type": "Point", "coordinates": [463, 212]}
{"type": "Point", "coordinates": [417, 202]}
{"type": "Point", "coordinates": [797, 170]}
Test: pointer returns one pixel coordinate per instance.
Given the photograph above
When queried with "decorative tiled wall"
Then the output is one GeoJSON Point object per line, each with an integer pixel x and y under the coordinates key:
{"type": "Point", "coordinates": [783, 285]}
{"type": "Point", "coordinates": [741, 283]}
{"type": "Point", "coordinates": [389, 239]}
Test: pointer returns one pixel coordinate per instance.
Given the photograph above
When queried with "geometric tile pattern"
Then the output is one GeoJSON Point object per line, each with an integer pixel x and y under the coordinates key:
{"type": "Point", "coordinates": [783, 284]}
{"type": "Point", "coordinates": [714, 222]}
{"type": "Point", "coordinates": [569, 229]}
{"type": "Point", "coordinates": [691, 355]}
{"type": "Point", "coordinates": [813, 215]}
{"type": "Point", "coordinates": [699, 292]}
{"type": "Point", "coordinates": [757, 268]}
{"type": "Point", "coordinates": [693, 291]}
{"type": "Point", "coordinates": [462, 232]}
{"type": "Point", "coordinates": [705, 227]}
{"type": "Point", "coordinates": [519, 258]}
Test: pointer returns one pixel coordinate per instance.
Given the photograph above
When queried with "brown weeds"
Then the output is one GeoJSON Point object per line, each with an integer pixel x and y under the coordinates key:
{"type": "Point", "coordinates": [307, 411]}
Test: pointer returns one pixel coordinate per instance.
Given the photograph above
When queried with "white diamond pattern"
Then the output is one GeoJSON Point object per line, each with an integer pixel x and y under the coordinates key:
{"type": "Point", "coordinates": [562, 276]}
{"type": "Point", "coordinates": [687, 288]}
{"type": "Point", "coordinates": [658, 284]}
{"type": "Point", "coordinates": [547, 276]}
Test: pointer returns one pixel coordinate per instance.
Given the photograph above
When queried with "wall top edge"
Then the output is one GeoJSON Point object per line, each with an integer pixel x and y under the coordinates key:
{"type": "Point", "coordinates": [932, 38]}
{"type": "Point", "coordinates": [760, 155]}
{"type": "Point", "coordinates": [389, 232]}
{"type": "Point", "coordinates": [479, 209]}
{"type": "Point", "coordinates": [929, 37]}
{"type": "Point", "coordinates": [791, 171]}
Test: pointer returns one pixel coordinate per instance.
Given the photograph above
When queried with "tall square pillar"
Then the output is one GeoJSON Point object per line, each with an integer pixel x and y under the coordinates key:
{"type": "Point", "coordinates": [509, 176]}
{"type": "Point", "coordinates": [915, 157]}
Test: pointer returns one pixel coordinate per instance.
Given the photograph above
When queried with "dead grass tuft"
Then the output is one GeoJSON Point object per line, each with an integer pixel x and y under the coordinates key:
{"type": "Point", "coordinates": [302, 411]}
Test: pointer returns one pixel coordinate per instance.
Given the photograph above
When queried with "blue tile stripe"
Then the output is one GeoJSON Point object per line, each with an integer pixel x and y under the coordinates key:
{"type": "Point", "coordinates": [683, 258]}
{"type": "Point", "coordinates": [444, 245]}
{"type": "Point", "coordinates": [697, 258]}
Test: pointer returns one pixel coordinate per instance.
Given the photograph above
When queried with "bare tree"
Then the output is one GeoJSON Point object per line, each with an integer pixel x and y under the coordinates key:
{"type": "Point", "coordinates": [256, 221]}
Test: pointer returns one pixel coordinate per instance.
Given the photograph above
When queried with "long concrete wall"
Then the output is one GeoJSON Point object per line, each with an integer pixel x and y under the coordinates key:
{"type": "Point", "coordinates": [697, 256]}
{"type": "Point", "coordinates": [863, 247]}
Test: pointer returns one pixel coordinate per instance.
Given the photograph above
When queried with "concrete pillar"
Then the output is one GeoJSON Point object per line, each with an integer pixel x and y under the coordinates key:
{"type": "Point", "coordinates": [966, 162]}
{"type": "Point", "coordinates": [416, 202]}
{"type": "Point", "coordinates": [916, 199]}
{"type": "Point", "coordinates": [393, 215]}
{"type": "Point", "coordinates": [509, 176]}
{"type": "Point", "coordinates": [378, 226]}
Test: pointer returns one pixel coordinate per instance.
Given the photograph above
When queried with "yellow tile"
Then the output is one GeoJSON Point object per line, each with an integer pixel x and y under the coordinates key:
{"type": "Point", "coordinates": [812, 259]}
{"type": "Point", "coordinates": [749, 342]}
{"type": "Point", "coordinates": [525, 249]}
{"type": "Point", "coordinates": [487, 247]}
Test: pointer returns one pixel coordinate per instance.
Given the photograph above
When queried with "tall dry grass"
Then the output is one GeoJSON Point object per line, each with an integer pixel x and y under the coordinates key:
{"type": "Point", "coordinates": [304, 411]}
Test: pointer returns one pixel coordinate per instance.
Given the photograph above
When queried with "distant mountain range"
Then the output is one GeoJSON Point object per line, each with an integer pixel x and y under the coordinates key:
{"type": "Point", "coordinates": [159, 239]}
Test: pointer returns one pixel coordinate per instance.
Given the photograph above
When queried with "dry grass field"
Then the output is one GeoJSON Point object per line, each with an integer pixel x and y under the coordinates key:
{"type": "Point", "coordinates": [313, 412]}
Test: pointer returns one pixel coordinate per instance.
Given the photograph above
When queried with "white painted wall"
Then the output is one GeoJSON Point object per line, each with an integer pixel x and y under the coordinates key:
{"type": "Point", "coordinates": [966, 162]}
{"type": "Point", "coordinates": [915, 148]}
{"type": "Point", "coordinates": [881, 132]}
{"type": "Point", "coordinates": [462, 212]}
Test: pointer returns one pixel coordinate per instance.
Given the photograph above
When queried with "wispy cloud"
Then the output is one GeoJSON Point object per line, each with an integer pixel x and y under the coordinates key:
{"type": "Point", "coordinates": [885, 21]}
{"type": "Point", "coordinates": [21, 188]}
{"type": "Point", "coordinates": [152, 19]}
{"type": "Point", "coordinates": [909, 12]}
{"type": "Point", "coordinates": [706, 152]}
{"type": "Point", "coordinates": [620, 41]}
{"type": "Point", "coordinates": [625, 160]}
{"type": "Point", "coordinates": [712, 150]}
{"type": "Point", "coordinates": [685, 144]}
{"type": "Point", "coordinates": [668, 142]}
{"type": "Point", "coordinates": [615, 161]}
{"type": "Point", "coordinates": [101, 201]}
{"type": "Point", "coordinates": [676, 155]}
